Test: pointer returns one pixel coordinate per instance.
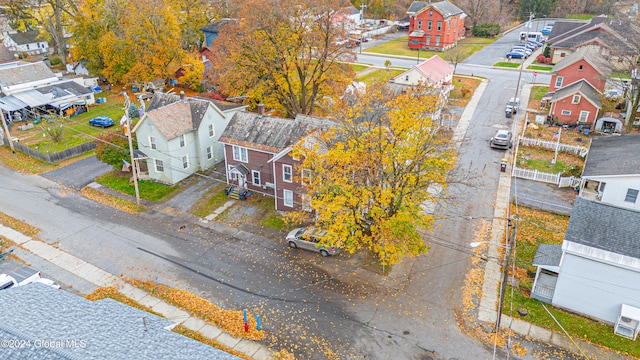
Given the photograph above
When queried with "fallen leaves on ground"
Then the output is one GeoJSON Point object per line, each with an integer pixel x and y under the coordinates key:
{"type": "Point", "coordinates": [230, 321]}
{"type": "Point", "coordinates": [112, 292]}
{"type": "Point", "coordinates": [112, 201]}
{"type": "Point", "coordinates": [179, 329]}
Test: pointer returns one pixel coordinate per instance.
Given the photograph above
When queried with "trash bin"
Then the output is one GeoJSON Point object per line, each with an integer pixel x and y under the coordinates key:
{"type": "Point", "coordinates": [503, 165]}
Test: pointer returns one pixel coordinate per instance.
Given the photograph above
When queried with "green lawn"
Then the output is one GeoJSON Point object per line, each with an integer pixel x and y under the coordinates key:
{"type": "Point", "coordinates": [358, 68]}
{"type": "Point", "coordinates": [379, 75]}
{"type": "Point", "coordinates": [213, 199]}
{"type": "Point", "coordinates": [149, 190]}
{"type": "Point", "coordinates": [579, 16]}
{"type": "Point", "coordinates": [507, 64]}
{"type": "Point", "coordinates": [76, 129]}
{"type": "Point", "coordinates": [538, 92]}
{"type": "Point", "coordinates": [400, 47]}
{"type": "Point", "coordinates": [540, 67]}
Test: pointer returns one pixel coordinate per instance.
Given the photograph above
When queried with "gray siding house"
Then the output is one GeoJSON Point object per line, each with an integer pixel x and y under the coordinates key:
{"type": "Point", "coordinates": [179, 135]}
{"type": "Point", "coordinates": [598, 272]}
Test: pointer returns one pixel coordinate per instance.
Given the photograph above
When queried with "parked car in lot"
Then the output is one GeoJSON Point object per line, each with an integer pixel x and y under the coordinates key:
{"type": "Point", "coordinates": [546, 30]}
{"type": "Point", "coordinates": [308, 239]}
{"type": "Point", "coordinates": [512, 106]}
{"type": "Point", "coordinates": [502, 139]}
{"type": "Point", "coordinates": [536, 43]}
{"type": "Point", "coordinates": [515, 55]}
{"type": "Point", "coordinates": [102, 121]}
{"type": "Point", "coordinates": [527, 52]}
{"type": "Point", "coordinates": [612, 94]}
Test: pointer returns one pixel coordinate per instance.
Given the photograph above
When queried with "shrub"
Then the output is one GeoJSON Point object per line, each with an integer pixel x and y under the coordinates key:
{"type": "Point", "coordinates": [541, 59]}
{"type": "Point", "coordinates": [55, 61]}
{"type": "Point", "coordinates": [486, 30]}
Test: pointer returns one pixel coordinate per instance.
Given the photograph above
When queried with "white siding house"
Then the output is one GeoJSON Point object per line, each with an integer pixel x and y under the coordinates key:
{"type": "Point", "coordinates": [179, 135]}
{"type": "Point", "coordinates": [26, 42]}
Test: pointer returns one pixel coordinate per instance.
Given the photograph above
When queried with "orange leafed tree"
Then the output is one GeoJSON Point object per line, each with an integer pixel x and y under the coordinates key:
{"type": "Point", "coordinates": [285, 54]}
{"type": "Point", "coordinates": [368, 178]}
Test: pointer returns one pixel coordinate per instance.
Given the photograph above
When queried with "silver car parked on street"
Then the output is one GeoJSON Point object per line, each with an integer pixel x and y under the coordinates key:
{"type": "Point", "coordinates": [308, 239]}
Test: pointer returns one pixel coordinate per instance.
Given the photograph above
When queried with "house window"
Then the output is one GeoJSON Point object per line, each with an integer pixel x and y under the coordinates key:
{"type": "Point", "coordinates": [306, 202]}
{"type": "Point", "coordinates": [287, 172]}
{"type": "Point", "coordinates": [231, 174]}
{"type": "Point", "coordinates": [306, 176]}
{"type": "Point", "coordinates": [210, 152]}
{"type": "Point", "coordinates": [152, 143]}
{"type": "Point", "coordinates": [182, 141]}
{"type": "Point", "coordinates": [420, 24]}
{"type": "Point", "coordinates": [559, 81]}
{"type": "Point", "coordinates": [287, 196]}
{"type": "Point", "coordinates": [632, 196]}
{"type": "Point", "coordinates": [439, 25]}
{"type": "Point", "coordinates": [406, 78]}
{"type": "Point", "coordinates": [415, 42]}
{"type": "Point", "coordinates": [563, 54]}
{"type": "Point", "coordinates": [159, 165]}
{"type": "Point", "coordinates": [566, 112]}
{"type": "Point", "coordinates": [576, 99]}
{"type": "Point", "coordinates": [437, 40]}
{"type": "Point", "coordinates": [211, 131]}
{"type": "Point", "coordinates": [448, 24]}
{"type": "Point", "coordinates": [580, 68]}
{"type": "Point", "coordinates": [428, 40]}
{"type": "Point", "coordinates": [240, 154]}
{"type": "Point", "coordinates": [429, 25]}
{"type": "Point", "coordinates": [430, 12]}
{"type": "Point", "coordinates": [255, 177]}
{"type": "Point", "coordinates": [584, 116]}
{"type": "Point", "coordinates": [27, 46]}
{"type": "Point", "coordinates": [185, 162]}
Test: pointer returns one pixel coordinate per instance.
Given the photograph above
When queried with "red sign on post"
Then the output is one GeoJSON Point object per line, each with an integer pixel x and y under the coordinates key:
{"type": "Point", "coordinates": [535, 73]}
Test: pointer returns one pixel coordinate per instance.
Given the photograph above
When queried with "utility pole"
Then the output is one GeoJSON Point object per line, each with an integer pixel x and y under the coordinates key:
{"type": "Point", "coordinates": [8, 135]}
{"type": "Point", "coordinates": [363, 7]}
{"type": "Point", "coordinates": [127, 104]}
{"type": "Point", "coordinates": [515, 97]}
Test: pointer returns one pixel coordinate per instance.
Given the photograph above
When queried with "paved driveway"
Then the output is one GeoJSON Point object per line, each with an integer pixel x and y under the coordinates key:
{"type": "Point", "coordinates": [79, 174]}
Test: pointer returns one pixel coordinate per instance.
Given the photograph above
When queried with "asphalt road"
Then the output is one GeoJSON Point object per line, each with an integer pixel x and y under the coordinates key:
{"type": "Point", "coordinates": [312, 305]}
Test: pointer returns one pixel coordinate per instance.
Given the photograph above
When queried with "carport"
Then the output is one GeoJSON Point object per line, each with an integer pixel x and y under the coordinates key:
{"type": "Point", "coordinates": [608, 125]}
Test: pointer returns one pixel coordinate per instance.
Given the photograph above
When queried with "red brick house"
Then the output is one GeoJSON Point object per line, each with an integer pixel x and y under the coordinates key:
{"type": "Point", "coordinates": [577, 103]}
{"type": "Point", "coordinates": [585, 63]}
{"type": "Point", "coordinates": [257, 155]}
{"type": "Point", "coordinates": [435, 26]}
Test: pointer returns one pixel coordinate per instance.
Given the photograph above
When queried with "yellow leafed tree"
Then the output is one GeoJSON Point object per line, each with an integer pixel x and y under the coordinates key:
{"type": "Point", "coordinates": [368, 177]}
{"type": "Point", "coordinates": [285, 54]}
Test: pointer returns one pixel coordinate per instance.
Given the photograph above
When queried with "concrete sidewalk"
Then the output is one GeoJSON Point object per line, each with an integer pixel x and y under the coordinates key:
{"type": "Point", "coordinates": [101, 278]}
{"type": "Point", "coordinates": [493, 273]}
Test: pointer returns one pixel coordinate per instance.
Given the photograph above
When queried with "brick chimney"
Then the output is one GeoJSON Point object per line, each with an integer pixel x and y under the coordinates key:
{"type": "Point", "coordinates": [261, 109]}
{"type": "Point", "coordinates": [182, 96]}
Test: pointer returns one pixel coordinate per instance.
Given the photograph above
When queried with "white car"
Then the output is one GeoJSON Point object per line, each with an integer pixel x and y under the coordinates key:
{"type": "Point", "coordinates": [49, 282]}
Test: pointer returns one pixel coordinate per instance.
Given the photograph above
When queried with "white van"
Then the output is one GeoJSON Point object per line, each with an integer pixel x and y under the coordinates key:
{"type": "Point", "coordinates": [532, 35]}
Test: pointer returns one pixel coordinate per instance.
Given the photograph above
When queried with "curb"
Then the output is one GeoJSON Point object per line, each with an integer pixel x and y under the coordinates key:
{"type": "Point", "coordinates": [102, 278]}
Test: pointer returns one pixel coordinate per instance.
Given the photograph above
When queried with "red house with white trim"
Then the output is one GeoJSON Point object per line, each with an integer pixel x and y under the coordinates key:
{"type": "Point", "coordinates": [435, 26]}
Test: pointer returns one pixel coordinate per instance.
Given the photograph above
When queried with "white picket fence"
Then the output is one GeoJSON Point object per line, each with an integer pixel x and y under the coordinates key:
{"type": "Point", "coordinates": [570, 181]}
{"type": "Point", "coordinates": [571, 149]}
{"type": "Point", "coordinates": [536, 175]}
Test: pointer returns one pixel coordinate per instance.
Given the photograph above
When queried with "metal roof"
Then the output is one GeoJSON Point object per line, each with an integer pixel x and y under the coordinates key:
{"type": "Point", "coordinates": [24, 73]}
{"type": "Point", "coordinates": [11, 103]}
{"type": "Point", "coordinates": [33, 98]}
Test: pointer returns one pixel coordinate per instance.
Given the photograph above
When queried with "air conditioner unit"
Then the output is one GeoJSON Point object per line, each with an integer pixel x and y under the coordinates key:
{"type": "Point", "coordinates": [269, 185]}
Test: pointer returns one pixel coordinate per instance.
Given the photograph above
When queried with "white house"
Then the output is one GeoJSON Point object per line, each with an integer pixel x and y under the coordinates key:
{"type": "Point", "coordinates": [179, 135]}
{"type": "Point", "coordinates": [21, 76]}
{"type": "Point", "coordinates": [26, 42]}
{"type": "Point", "coordinates": [611, 172]}
{"type": "Point", "coordinates": [596, 270]}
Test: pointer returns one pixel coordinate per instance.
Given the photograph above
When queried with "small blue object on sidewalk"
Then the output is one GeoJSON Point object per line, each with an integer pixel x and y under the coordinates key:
{"type": "Point", "coordinates": [245, 315]}
{"type": "Point", "coordinates": [258, 322]}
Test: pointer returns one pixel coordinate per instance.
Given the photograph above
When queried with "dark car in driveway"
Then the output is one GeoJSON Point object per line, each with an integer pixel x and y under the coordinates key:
{"type": "Point", "coordinates": [502, 140]}
{"type": "Point", "coordinates": [102, 121]}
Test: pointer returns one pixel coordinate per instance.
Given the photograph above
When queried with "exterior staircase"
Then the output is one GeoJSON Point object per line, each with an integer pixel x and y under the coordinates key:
{"type": "Point", "coordinates": [237, 193]}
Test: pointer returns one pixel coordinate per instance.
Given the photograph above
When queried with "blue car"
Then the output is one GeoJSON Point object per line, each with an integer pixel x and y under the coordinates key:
{"type": "Point", "coordinates": [515, 55]}
{"type": "Point", "coordinates": [546, 31]}
{"type": "Point", "coordinates": [102, 121]}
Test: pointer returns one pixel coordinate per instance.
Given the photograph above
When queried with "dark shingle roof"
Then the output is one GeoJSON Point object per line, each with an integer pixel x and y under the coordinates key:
{"type": "Point", "coordinates": [605, 148]}
{"type": "Point", "coordinates": [27, 37]}
{"type": "Point", "coordinates": [65, 88]}
{"type": "Point", "coordinates": [583, 87]}
{"type": "Point", "coordinates": [108, 329]}
{"type": "Point", "coordinates": [269, 133]}
{"type": "Point", "coordinates": [604, 226]}
{"type": "Point", "coordinates": [443, 7]}
{"type": "Point", "coordinates": [547, 254]}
